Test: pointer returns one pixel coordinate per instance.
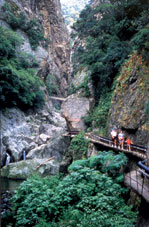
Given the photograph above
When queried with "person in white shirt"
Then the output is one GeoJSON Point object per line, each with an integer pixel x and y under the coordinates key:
{"type": "Point", "coordinates": [114, 137]}
{"type": "Point", "coordinates": [121, 139]}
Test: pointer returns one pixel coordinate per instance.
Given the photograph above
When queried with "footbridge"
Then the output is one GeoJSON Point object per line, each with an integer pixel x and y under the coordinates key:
{"type": "Point", "coordinates": [136, 150]}
{"type": "Point", "coordinates": [57, 98]}
{"type": "Point", "coordinates": [138, 178]}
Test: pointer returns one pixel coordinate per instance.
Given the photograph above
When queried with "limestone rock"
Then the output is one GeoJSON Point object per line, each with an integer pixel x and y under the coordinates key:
{"type": "Point", "coordinates": [57, 147]}
{"type": "Point", "coordinates": [73, 109]}
{"type": "Point", "coordinates": [44, 137]}
{"type": "Point", "coordinates": [29, 132]}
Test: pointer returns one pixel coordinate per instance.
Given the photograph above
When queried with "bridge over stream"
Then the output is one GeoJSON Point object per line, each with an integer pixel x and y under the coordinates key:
{"type": "Point", "coordinates": [137, 179]}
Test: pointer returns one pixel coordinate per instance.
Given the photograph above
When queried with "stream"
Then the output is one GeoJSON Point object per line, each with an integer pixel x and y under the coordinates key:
{"type": "Point", "coordinates": [9, 184]}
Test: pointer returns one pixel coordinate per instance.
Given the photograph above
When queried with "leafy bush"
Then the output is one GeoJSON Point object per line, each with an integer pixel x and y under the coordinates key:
{"type": "Point", "coordinates": [87, 196]}
{"type": "Point", "coordinates": [79, 146]}
{"type": "Point", "coordinates": [17, 20]}
{"type": "Point", "coordinates": [19, 84]}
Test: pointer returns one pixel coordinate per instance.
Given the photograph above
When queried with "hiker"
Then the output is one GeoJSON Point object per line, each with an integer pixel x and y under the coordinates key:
{"type": "Point", "coordinates": [129, 142]}
{"type": "Point", "coordinates": [121, 139]}
{"type": "Point", "coordinates": [114, 137]}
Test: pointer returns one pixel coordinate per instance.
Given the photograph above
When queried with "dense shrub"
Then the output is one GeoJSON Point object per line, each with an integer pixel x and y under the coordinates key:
{"type": "Point", "coordinates": [90, 195]}
{"type": "Point", "coordinates": [79, 145]}
{"type": "Point", "coordinates": [19, 85]}
{"type": "Point", "coordinates": [17, 20]}
{"type": "Point", "coordinates": [98, 118]}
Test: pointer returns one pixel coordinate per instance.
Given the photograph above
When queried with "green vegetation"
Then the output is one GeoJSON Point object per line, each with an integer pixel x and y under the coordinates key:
{"type": "Point", "coordinates": [79, 146]}
{"type": "Point", "coordinates": [98, 118]}
{"type": "Point", "coordinates": [91, 195]}
{"type": "Point", "coordinates": [19, 85]}
{"type": "Point", "coordinates": [51, 84]}
{"type": "Point", "coordinates": [17, 20]}
{"type": "Point", "coordinates": [110, 32]}
{"type": "Point", "coordinates": [83, 86]}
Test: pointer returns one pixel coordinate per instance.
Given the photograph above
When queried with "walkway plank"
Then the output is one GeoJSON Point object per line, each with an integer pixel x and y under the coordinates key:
{"type": "Point", "coordinates": [57, 98]}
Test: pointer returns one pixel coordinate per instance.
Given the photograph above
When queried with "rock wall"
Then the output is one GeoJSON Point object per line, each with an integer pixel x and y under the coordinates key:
{"type": "Point", "coordinates": [129, 103]}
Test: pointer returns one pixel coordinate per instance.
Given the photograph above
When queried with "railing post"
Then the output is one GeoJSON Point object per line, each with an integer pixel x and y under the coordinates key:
{"type": "Point", "coordinates": [137, 180]}
{"type": "Point", "coordinates": [142, 185]}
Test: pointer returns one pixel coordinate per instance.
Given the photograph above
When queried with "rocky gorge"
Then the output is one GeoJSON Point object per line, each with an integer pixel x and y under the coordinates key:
{"type": "Point", "coordinates": [33, 141]}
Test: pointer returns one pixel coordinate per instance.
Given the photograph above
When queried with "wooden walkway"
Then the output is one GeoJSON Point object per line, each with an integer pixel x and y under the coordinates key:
{"type": "Point", "coordinates": [136, 150]}
{"type": "Point", "coordinates": [57, 98]}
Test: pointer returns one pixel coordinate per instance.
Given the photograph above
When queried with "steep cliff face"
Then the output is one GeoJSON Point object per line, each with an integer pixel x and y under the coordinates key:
{"type": "Point", "coordinates": [54, 53]}
{"type": "Point", "coordinates": [56, 32]}
{"type": "Point", "coordinates": [129, 104]}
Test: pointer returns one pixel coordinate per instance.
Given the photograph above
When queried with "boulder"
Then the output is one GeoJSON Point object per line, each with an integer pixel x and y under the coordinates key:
{"type": "Point", "coordinates": [29, 132]}
{"type": "Point", "coordinates": [24, 169]}
{"type": "Point", "coordinates": [73, 109]}
{"type": "Point", "coordinates": [57, 147]}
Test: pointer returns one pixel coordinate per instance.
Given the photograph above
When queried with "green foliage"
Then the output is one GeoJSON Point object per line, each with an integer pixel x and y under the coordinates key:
{"type": "Point", "coordinates": [31, 27]}
{"type": "Point", "coordinates": [51, 84]}
{"type": "Point", "coordinates": [109, 33]}
{"type": "Point", "coordinates": [99, 116]}
{"type": "Point", "coordinates": [79, 144]}
{"type": "Point", "coordinates": [146, 110]}
{"type": "Point", "coordinates": [87, 196]}
{"type": "Point", "coordinates": [141, 42]}
{"type": "Point", "coordinates": [19, 86]}
{"type": "Point", "coordinates": [83, 87]}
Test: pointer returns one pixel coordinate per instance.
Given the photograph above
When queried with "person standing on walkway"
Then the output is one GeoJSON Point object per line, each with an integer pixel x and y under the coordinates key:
{"type": "Point", "coordinates": [129, 142]}
{"type": "Point", "coordinates": [114, 137]}
{"type": "Point", "coordinates": [121, 139]}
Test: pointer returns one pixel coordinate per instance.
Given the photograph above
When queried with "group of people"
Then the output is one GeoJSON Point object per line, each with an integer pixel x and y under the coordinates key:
{"type": "Point", "coordinates": [118, 139]}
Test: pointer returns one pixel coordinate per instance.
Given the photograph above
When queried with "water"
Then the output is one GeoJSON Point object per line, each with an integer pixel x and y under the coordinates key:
{"type": "Point", "coordinates": [7, 159]}
{"type": "Point", "coordinates": [24, 155]}
{"type": "Point", "coordinates": [9, 184]}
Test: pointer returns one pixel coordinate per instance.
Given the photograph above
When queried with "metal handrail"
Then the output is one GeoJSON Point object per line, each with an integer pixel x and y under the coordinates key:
{"type": "Point", "coordinates": [138, 183]}
{"type": "Point", "coordinates": [141, 165]}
